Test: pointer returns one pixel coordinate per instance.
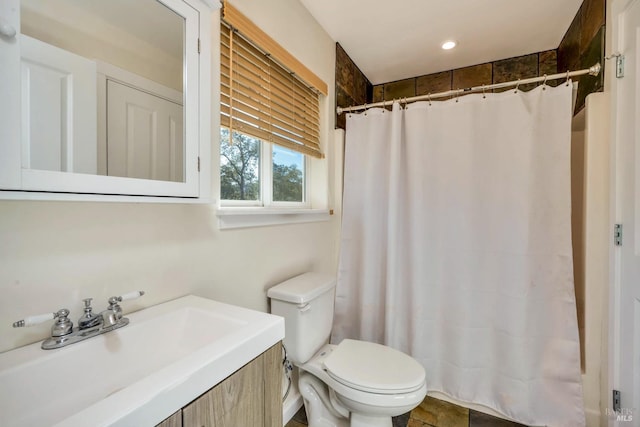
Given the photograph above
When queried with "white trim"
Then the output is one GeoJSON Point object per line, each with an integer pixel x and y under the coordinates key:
{"type": "Point", "coordinates": [615, 38]}
{"type": "Point", "coordinates": [288, 205]}
{"type": "Point", "coordinates": [230, 218]}
{"type": "Point", "coordinates": [127, 78]}
{"type": "Point", "coordinates": [266, 173]}
{"type": "Point", "coordinates": [241, 203]}
{"type": "Point", "coordinates": [11, 107]}
{"type": "Point", "coordinates": [206, 66]}
{"type": "Point", "coordinates": [291, 406]}
{"type": "Point", "coordinates": [81, 197]}
{"type": "Point", "coordinates": [68, 182]}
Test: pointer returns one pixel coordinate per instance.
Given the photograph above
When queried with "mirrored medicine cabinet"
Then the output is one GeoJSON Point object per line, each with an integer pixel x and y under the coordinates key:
{"type": "Point", "coordinates": [105, 97]}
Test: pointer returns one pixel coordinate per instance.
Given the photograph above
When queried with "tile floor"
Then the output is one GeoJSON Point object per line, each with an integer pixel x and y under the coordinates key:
{"type": "Point", "coordinates": [433, 413]}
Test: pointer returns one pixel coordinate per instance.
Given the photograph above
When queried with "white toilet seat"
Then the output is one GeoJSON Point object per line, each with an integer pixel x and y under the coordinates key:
{"type": "Point", "coordinates": [374, 368]}
{"type": "Point", "coordinates": [381, 401]}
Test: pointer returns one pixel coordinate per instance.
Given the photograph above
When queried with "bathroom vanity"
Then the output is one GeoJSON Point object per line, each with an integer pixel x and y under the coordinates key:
{"type": "Point", "coordinates": [190, 361]}
{"type": "Point", "coordinates": [249, 397]}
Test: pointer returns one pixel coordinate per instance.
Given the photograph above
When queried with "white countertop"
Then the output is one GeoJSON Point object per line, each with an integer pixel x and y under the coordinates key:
{"type": "Point", "coordinates": [137, 375]}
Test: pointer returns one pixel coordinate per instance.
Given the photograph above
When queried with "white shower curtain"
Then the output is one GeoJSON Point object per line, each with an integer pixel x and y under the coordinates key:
{"type": "Point", "coordinates": [456, 248]}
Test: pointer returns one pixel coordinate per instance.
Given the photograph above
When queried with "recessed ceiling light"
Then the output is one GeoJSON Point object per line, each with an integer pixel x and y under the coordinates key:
{"type": "Point", "coordinates": [448, 45]}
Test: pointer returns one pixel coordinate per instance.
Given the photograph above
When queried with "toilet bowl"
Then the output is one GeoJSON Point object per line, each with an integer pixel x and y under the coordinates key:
{"type": "Point", "coordinates": [355, 383]}
{"type": "Point", "coordinates": [371, 395]}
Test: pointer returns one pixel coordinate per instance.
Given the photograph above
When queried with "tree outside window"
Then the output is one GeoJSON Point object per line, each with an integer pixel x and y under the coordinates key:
{"type": "Point", "coordinates": [240, 170]}
{"type": "Point", "coordinates": [288, 175]}
{"type": "Point", "coordinates": [239, 167]}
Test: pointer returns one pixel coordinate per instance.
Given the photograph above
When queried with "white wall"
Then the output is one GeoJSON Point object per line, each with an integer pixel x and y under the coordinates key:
{"type": "Point", "coordinates": [591, 257]}
{"type": "Point", "coordinates": [54, 254]}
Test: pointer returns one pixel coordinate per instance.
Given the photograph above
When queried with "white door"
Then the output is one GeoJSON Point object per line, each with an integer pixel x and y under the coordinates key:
{"type": "Point", "coordinates": [144, 135]}
{"type": "Point", "coordinates": [58, 109]}
{"type": "Point", "coordinates": [626, 211]}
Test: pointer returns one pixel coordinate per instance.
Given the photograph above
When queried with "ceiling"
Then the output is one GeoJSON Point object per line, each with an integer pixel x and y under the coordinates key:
{"type": "Point", "coordinates": [400, 39]}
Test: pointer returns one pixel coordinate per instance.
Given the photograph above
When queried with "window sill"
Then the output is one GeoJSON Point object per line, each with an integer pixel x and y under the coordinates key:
{"type": "Point", "coordinates": [234, 217]}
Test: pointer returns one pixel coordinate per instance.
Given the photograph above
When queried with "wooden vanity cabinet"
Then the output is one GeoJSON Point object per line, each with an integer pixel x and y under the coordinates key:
{"type": "Point", "coordinates": [251, 396]}
{"type": "Point", "coordinates": [174, 420]}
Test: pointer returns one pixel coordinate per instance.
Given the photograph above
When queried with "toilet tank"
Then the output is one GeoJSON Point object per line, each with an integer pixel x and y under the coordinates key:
{"type": "Point", "coordinates": [306, 303]}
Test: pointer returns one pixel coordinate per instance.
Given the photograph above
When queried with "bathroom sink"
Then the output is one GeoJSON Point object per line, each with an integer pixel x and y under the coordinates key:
{"type": "Point", "coordinates": [137, 375]}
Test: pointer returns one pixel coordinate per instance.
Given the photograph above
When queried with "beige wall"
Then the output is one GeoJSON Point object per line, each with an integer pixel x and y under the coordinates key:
{"type": "Point", "coordinates": [54, 254]}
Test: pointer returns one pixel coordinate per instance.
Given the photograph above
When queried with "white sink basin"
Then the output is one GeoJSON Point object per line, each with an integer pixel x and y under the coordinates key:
{"type": "Point", "coordinates": [137, 375]}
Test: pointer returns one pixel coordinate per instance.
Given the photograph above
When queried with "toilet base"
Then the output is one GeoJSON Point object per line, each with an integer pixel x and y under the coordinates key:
{"type": "Point", "coordinates": [317, 403]}
{"type": "Point", "coordinates": [324, 410]}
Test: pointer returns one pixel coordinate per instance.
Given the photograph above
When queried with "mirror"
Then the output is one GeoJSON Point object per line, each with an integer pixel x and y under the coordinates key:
{"type": "Point", "coordinates": [103, 88]}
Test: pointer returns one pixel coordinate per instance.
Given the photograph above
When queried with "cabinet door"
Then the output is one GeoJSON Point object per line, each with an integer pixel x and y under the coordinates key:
{"type": "Point", "coordinates": [237, 401]}
{"type": "Point", "coordinates": [174, 420]}
{"type": "Point", "coordinates": [250, 397]}
{"type": "Point", "coordinates": [272, 375]}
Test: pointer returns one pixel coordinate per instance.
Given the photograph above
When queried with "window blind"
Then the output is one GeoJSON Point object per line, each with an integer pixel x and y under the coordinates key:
{"type": "Point", "coordinates": [261, 98]}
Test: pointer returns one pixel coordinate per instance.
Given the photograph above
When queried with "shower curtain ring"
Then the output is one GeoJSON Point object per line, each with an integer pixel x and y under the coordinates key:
{"type": "Point", "coordinates": [484, 95]}
{"type": "Point", "coordinates": [544, 82]}
{"type": "Point", "coordinates": [458, 95]}
{"type": "Point", "coordinates": [383, 107]}
{"type": "Point", "coordinates": [567, 77]}
{"type": "Point", "coordinates": [429, 98]}
{"type": "Point", "coordinates": [517, 86]}
{"type": "Point", "coordinates": [365, 108]}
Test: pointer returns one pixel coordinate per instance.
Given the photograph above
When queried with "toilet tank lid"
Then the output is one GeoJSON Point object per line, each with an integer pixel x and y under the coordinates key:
{"type": "Point", "coordinates": [303, 288]}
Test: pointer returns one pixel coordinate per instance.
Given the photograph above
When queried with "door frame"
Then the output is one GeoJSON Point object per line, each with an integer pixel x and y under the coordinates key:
{"type": "Point", "coordinates": [613, 340]}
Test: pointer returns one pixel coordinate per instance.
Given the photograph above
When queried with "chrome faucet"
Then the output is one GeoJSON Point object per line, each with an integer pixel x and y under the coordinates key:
{"type": "Point", "coordinates": [89, 324]}
{"type": "Point", "coordinates": [88, 319]}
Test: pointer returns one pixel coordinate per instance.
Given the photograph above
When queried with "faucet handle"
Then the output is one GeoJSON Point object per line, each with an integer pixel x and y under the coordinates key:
{"type": "Point", "coordinates": [113, 301]}
{"type": "Point", "coordinates": [113, 313]}
{"type": "Point", "coordinates": [130, 295]}
{"type": "Point", "coordinates": [62, 326]}
{"type": "Point", "coordinates": [34, 320]}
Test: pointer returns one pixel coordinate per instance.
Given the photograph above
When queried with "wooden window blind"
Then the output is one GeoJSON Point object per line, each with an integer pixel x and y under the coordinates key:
{"type": "Point", "coordinates": [259, 97]}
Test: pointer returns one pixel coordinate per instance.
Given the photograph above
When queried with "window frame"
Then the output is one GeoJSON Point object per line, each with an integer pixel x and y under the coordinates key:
{"type": "Point", "coordinates": [266, 182]}
{"type": "Point", "coordinates": [306, 187]}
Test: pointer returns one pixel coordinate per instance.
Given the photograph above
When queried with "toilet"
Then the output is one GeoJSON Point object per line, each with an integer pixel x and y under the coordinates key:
{"type": "Point", "coordinates": [355, 383]}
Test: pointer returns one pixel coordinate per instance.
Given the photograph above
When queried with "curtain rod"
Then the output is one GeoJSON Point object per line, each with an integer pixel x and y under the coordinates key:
{"type": "Point", "coordinates": [594, 71]}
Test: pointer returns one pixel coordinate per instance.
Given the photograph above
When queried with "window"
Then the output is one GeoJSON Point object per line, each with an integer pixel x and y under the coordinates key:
{"type": "Point", "coordinates": [255, 173]}
{"type": "Point", "coordinates": [239, 167]}
{"type": "Point", "coordinates": [269, 122]}
{"type": "Point", "coordinates": [287, 169]}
